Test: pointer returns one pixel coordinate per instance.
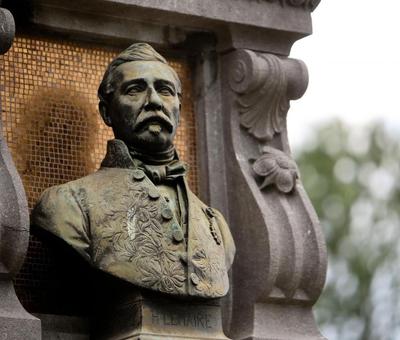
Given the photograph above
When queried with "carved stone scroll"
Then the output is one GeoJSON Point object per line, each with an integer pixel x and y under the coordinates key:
{"type": "Point", "coordinates": [281, 263]}
{"type": "Point", "coordinates": [15, 322]}
{"type": "Point", "coordinates": [264, 85]}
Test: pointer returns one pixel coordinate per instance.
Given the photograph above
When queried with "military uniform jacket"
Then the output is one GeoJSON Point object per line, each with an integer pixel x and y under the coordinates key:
{"type": "Point", "coordinates": [117, 220]}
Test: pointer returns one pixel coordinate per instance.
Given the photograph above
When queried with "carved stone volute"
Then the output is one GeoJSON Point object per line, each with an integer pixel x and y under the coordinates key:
{"type": "Point", "coordinates": [265, 84]}
{"type": "Point", "coordinates": [281, 263]}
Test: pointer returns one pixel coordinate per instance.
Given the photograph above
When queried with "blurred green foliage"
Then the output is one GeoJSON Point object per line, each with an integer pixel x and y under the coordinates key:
{"type": "Point", "coordinates": [352, 176]}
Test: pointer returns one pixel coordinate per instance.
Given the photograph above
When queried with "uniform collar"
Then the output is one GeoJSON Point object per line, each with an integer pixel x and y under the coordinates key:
{"type": "Point", "coordinates": [117, 155]}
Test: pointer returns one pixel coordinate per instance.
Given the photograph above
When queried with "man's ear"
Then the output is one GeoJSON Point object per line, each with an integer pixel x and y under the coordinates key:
{"type": "Point", "coordinates": [180, 107]}
{"type": "Point", "coordinates": [104, 113]}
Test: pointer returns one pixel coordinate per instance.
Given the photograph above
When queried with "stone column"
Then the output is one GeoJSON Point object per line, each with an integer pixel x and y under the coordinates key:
{"type": "Point", "coordinates": [15, 322]}
{"type": "Point", "coordinates": [280, 265]}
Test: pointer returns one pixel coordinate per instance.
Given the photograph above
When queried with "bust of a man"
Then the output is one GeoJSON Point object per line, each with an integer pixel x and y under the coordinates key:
{"type": "Point", "coordinates": [136, 218]}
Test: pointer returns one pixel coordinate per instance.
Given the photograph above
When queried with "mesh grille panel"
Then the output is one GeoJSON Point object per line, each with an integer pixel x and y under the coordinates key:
{"type": "Point", "coordinates": [51, 123]}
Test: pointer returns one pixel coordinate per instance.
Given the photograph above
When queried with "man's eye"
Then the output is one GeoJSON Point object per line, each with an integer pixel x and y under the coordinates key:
{"type": "Point", "coordinates": [166, 91]}
{"type": "Point", "coordinates": [134, 89]}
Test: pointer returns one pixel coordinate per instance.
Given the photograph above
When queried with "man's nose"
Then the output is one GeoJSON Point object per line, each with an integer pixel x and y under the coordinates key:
{"type": "Point", "coordinates": [153, 101]}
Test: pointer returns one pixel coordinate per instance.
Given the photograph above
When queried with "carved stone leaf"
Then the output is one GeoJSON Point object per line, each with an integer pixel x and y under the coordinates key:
{"type": "Point", "coordinates": [265, 84]}
{"type": "Point", "coordinates": [261, 84]}
{"type": "Point", "coordinates": [263, 112]}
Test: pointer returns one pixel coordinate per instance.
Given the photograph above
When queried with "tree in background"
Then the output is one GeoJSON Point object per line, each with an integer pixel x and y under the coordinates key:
{"type": "Point", "coordinates": [352, 176]}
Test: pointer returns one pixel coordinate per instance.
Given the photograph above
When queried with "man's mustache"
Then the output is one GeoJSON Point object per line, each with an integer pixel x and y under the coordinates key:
{"type": "Point", "coordinates": [161, 116]}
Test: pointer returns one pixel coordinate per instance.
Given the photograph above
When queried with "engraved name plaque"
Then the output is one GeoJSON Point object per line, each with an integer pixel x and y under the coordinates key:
{"type": "Point", "coordinates": [145, 316]}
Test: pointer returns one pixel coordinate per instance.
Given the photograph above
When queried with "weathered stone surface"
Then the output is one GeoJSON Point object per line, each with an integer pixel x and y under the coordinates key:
{"type": "Point", "coordinates": [63, 327]}
{"type": "Point", "coordinates": [257, 25]}
{"type": "Point", "coordinates": [194, 13]}
{"type": "Point", "coordinates": [14, 218]}
{"type": "Point", "coordinates": [124, 311]}
{"type": "Point", "coordinates": [15, 322]}
{"type": "Point", "coordinates": [281, 250]}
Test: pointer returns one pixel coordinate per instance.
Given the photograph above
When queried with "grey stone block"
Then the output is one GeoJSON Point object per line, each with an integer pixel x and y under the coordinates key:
{"type": "Point", "coordinates": [15, 322]}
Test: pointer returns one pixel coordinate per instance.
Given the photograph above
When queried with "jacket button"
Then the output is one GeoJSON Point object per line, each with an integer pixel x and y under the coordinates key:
{"type": "Point", "coordinates": [183, 257]}
{"type": "Point", "coordinates": [138, 175]}
{"type": "Point", "coordinates": [153, 194]}
{"type": "Point", "coordinates": [194, 278]}
{"type": "Point", "coordinates": [166, 213]}
{"type": "Point", "coordinates": [177, 235]}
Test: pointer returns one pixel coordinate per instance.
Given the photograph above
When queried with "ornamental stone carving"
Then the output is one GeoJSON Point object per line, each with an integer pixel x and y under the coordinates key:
{"type": "Point", "coordinates": [281, 250]}
{"type": "Point", "coordinates": [276, 168]}
{"type": "Point", "coordinates": [265, 84]}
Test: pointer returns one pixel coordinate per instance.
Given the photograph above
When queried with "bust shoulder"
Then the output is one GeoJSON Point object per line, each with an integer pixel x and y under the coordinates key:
{"type": "Point", "coordinates": [59, 211]}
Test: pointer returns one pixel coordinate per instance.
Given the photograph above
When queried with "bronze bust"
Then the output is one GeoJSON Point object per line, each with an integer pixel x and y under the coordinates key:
{"type": "Point", "coordinates": [136, 218]}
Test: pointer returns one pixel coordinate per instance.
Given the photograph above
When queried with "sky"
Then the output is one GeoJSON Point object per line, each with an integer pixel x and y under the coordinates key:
{"type": "Point", "coordinates": [353, 59]}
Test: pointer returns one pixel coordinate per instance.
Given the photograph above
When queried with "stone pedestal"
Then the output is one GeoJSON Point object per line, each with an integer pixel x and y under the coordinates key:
{"type": "Point", "coordinates": [15, 322]}
{"type": "Point", "coordinates": [125, 312]}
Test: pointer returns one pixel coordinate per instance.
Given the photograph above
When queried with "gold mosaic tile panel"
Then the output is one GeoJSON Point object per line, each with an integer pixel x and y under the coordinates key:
{"type": "Point", "coordinates": [50, 120]}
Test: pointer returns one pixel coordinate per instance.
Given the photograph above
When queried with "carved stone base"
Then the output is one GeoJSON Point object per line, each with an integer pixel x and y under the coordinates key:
{"type": "Point", "coordinates": [15, 322]}
{"type": "Point", "coordinates": [283, 322]}
{"type": "Point", "coordinates": [145, 315]}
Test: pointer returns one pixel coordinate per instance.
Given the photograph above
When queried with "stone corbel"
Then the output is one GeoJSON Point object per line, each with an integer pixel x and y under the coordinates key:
{"type": "Point", "coordinates": [15, 322]}
{"type": "Point", "coordinates": [280, 267]}
{"type": "Point", "coordinates": [264, 85]}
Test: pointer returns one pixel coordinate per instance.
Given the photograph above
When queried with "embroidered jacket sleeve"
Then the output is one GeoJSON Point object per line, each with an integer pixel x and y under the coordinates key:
{"type": "Point", "coordinates": [59, 212]}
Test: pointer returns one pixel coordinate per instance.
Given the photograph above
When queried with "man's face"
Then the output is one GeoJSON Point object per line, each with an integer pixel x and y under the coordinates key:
{"type": "Point", "coordinates": [144, 110]}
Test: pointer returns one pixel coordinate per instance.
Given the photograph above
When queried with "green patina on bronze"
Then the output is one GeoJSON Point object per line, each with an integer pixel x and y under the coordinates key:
{"type": "Point", "coordinates": [136, 218]}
